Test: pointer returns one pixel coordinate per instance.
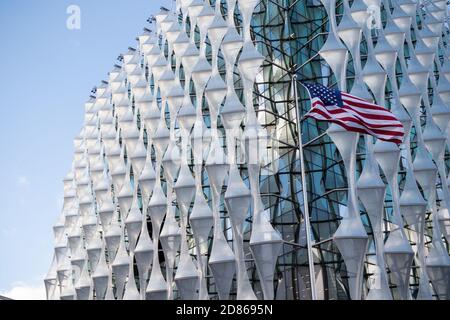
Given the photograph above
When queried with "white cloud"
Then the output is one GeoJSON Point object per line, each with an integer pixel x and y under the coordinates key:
{"type": "Point", "coordinates": [23, 181]}
{"type": "Point", "coordinates": [23, 291]}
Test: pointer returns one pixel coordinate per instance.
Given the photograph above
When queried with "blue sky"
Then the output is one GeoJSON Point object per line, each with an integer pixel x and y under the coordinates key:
{"type": "Point", "coordinates": [48, 72]}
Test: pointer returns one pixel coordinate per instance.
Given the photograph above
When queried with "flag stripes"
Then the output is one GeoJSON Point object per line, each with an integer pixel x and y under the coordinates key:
{"type": "Point", "coordinates": [354, 114]}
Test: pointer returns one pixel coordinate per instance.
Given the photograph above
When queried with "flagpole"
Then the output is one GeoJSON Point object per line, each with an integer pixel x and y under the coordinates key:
{"type": "Point", "coordinates": [312, 274]}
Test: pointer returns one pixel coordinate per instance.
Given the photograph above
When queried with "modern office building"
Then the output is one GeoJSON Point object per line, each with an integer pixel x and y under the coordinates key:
{"type": "Point", "coordinates": [187, 177]}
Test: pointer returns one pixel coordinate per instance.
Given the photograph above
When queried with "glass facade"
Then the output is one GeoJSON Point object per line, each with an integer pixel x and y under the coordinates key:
{"type": "Point", "coordinates": [289, 35]}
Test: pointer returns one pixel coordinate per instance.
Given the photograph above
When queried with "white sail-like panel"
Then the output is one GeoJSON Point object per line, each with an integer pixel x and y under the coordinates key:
{"type": "Point", "coordinates": [190, 146]}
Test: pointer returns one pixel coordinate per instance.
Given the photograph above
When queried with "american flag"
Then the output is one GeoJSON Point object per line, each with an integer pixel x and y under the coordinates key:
{"type": "Point", "coordinates": [353, 113]}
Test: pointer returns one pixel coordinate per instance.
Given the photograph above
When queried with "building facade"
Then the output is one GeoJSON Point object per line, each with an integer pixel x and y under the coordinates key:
{"type": "Point", "coordinates": [187, 183]}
